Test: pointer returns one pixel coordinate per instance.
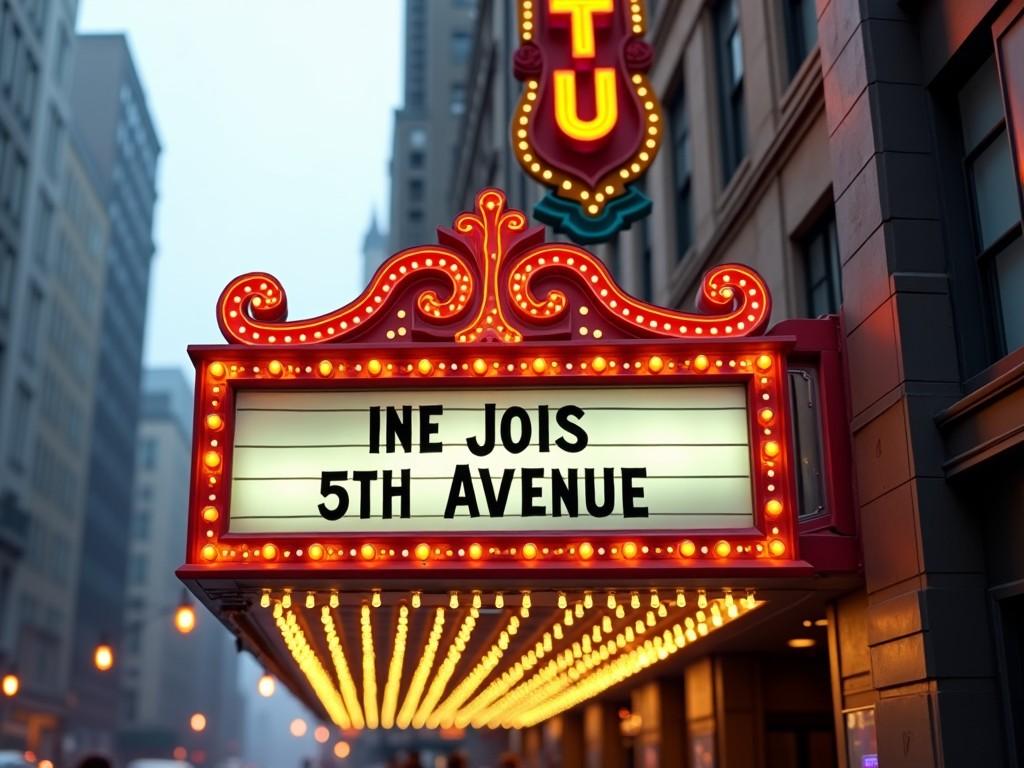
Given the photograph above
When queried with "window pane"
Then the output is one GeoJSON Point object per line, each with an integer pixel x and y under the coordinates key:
{"type": "Point", "coordinates": [981, 106]}
{"type": "Point", "coordinates": [995, 190]}
{"type": "Point", "coordinates": [1010, 273]}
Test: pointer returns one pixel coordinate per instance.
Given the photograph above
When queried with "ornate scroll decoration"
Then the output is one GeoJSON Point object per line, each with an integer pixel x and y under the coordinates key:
{"type": "Point", "coordinates": [493, 279]}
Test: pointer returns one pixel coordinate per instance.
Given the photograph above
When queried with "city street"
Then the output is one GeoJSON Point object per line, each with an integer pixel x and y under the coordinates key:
{"type": "Point", "coordinates": [511, 383]}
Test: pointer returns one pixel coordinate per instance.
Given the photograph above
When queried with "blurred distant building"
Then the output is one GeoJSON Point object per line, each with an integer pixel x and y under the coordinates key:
{"type": "Point", "coordinates": [52, 246]}
{"type": "Point", "coordinates": [438, 41]}
{"type": "Point", "coordinates": [167, 677]}
{"type": "Point", "coordinates": [375, 249]}
{"type": "Point", "coordinates": [111, 115]}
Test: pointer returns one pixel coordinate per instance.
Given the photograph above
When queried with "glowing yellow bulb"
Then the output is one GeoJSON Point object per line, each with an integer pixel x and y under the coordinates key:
{"type": "Point", "coordinates": [425, 367]}
{"type": "Point", "coordinates": [586, 550]}
{"type": "Point", "coordinates": [475, 551]}
{"type": "Point", "coordinates": [723, 548]}
{"type": "Point", "coordinates": [197, 722]}
{"type": "Point", "coordinates": [269, 551]}
{"type": "Point", "coordinates": [316, 552]}
{"type": "Point", "coordinates": [325, 368]}
{"type": "Point", "coordinates": [417, 600]}
{"type": "Point", "coordinates": [764, 362]}
{"type": "Point", "coordinates": [539, 365]}
{"type": "Point", "coordinates": [10, 685]}
{"type": "Point", "coordinates": [655, 364]}
{"type": "Point", "coordinates": [629, 550]}
{"type": "Point", "coordinates": [479, 367]}
{"type": "Point", "coordinates": [777, 547]}
{"type": "Point", "coordinates": [766, 415]}
{"type": "Point", "coordinates": [422, 552]}
{"type": "Point", "coordinates": [103, 657]}
{"type": "Point", "coordinates": [367, 551]}
{"type": "Point", "coordinates": [453, 600]}
{"type": "Point", "coordinates": [275, 368]}
{"type": "Point", "coordinates": [701, 363]}
{"type": "Point", "coordinates": [687, 548]}
{"type": "Point", "coordinates": [772, 449]}
{"type": "Point", "coordinates": [185, 618]}
{"type": "Point", "coordinates": [342, 750]}
{"type": "Point", "coordinates": [217, 370]}
{"type": "Point", "coordinates": [375, 598]}
{"type": "Point", "coordinates": [529, 551]}
{"type": "Point", "coordinates": [374, 367]}
{"type": "Point", "coordinates": [209, 552]}
{"type": "Point", "coordinates": [599, 364]}
{"type": "Point", "coordinates": [214, 422]}
{"type": "Point", "coordinates": [773, 508]}
{"type": "Point", "coordinates": [210, 514]}
{"type": "Point", "coordinates": [211, 459]}
{"type": "Point", "coordinates": [266, 686]}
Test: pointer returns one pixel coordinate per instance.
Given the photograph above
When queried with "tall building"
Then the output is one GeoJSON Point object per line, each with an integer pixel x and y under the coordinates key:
{"type": "Point", "coordinates": [113, 120]}
{"type": "Point", "coordinates": [52, 240]}
{"type": "Point", "coordinates": [438, 41]}
{"type": "Point", "coordinates": [375, 249]}
{"type": "Point", "coordinates": [859, 156]}
{"type": "Point", "coordinates": [168, 677]}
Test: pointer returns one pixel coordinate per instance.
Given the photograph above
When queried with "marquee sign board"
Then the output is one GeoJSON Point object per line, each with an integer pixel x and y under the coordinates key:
{"type": "Point", "coordinates": [493, 423]}
{"type": "Point", "coordinates": [588, 123]}
{"type": "Point", "coordinates": [493, 402]}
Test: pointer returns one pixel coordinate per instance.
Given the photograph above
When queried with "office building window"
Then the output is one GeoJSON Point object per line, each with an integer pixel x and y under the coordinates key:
{"type": "Point", "coordinates": [44, 226]}
{"type": "Point", "coordinates": [10, 47]}
{"type": "Point", "coordinates": [416, 190]}
{"type": "Point", "coordinates": [822, 269]}
{"type": "Point", "coordinates": [683, 170]}
{"type": "Point", "coordinates": [7, 258]}
{"type": "Point", "coordinates": [415, 159]}
{"type": "Point", "coordinates": [462, 46]}
{"type": "Point", "coordinates": [16, 442]}
{"type": "Point", "coordinates": [458, 105]}
{"type": "Point", "coordinates": [801, 31]}
{"type": "Point", "coordinates": [729, 54]}
{"type": "Point", "coordinates": [996, 201]}
{"type": "Point", "coordinates": [12, 183]}
{"type": "Point", "coordinates": [30, 340]}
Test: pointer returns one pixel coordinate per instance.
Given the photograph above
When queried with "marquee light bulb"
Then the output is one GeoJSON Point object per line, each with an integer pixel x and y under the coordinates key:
{"type": "Point", "coordinates": [611, 601]}
{"type": "Point", "coordinates": [475, 551]}
{"type": "Point", "coordinates": [367, 552]}
{"type": "Point", "coordinates": [269, 552]}
{"type": "Point", "coordinates": [265, 599]}
{"type": "Point", "coordinates": [773, 508]}
{"type": "Point", "coordinates": [562, 601]}
{"type": "Point", "coordinates": [422, 552]}
{"type": "Point", "coordinates": [529, 550]}
{"type": "Point", "coordinates": [10, 685]}
{"type": "Point", "coordinates": [214, 422]}
{"type": "Point", "coordinates": [185, 618]}
{"type": "Point", "coordinates": [316, 552]}
{"type": "Point", "coordinates": [103, 657]}
{"type": "Point", "coordinates": [453, 600]}
{"type": "Point", "coordinates": [634, 601]}
{"type": "Point", "coordinates": [335, 600]}
{"type": "Point", "coordinates": [701, 363]}
{"type": "Point", "coordinates": [325, 368]}
{"type": "Point", "coordinates": [499, 600]}
{"type": "Point", "coordinates": [417, 600]}
{"type": "Point", "coordinates": [629, 550]}
{"type": "Point", "coordinates": [772, 449]}
{"type": "Point", "coordinates": [764, 362]}
{"type": "Point", "coordinates": [217, 370]}
{"type": "Point", "coordinates": [586, 550]}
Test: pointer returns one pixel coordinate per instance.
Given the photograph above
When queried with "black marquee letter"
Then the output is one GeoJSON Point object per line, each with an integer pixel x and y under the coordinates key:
{"type": "Point", "coordinates": [461, 493]}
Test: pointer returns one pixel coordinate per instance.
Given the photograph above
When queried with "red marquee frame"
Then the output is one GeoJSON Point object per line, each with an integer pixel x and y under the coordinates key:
{"type": "Point", "coordinates": [493, 305]}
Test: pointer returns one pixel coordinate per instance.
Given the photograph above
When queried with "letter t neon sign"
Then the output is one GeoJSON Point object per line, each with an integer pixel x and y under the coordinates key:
{"type": "Point", "coordinates": [582, 14]}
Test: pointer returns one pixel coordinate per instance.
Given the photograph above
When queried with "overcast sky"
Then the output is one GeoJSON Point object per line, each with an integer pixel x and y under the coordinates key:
{"type": "Point", "coordinates": [276, 122]}
{"type": "Point", "coordinates": [275, 117]}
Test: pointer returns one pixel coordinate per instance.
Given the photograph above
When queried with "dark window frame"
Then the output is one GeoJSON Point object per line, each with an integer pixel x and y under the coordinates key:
{"type": "Point", "coordinates": [731, 86]}
{"type": "Point", "coordinates": [823, 230]}
{"type": "Point", "coordinates": [682, 171]}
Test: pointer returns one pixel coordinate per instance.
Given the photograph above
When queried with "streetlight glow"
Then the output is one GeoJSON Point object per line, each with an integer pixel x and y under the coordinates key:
{"type": "Point", "coordinates": [10, 685]}
{"type": "Point", "coordinates": [197, 722]}
{"type": "Point", "coordinates": [185, 618]}
{"type": "Point", "coordinates": [321, 734]}
{"type": "Point", "coordinates": [103, 657]}
{"type": "Point", "coordinates": [298, 727]}
{"type": "Point", "coordinates": [342, 750]}
{"type": "Point", "coordinates": [266, 686]}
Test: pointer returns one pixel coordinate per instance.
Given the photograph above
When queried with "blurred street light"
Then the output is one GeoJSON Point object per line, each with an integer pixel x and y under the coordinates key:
{"type": "Point", "coordinates": [10, 685]}
{"type": "Point", "coordinates": [185, 615]}
{"type": "Point", "coordinates": [342, 750]}
{"type": "Point", "coordinates": [197, 722]}
{"type": "Point", "coordinates": [266, 686]}
{"type": "Point", "coordinates": [103, 657]}
{"type": "Point", "coordinates": [321, 734]}
{"type": "Point", "coordinates": [298, 727]}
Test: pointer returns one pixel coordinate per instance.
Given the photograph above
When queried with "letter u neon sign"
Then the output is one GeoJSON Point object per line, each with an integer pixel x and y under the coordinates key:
{"type": "Point", "coordinates": [567, 108]}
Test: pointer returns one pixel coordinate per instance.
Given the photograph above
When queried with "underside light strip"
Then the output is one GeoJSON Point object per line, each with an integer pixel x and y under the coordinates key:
{"type": "Point", "coordinates": [470, 714]}
{"type": "Point", "coordinates": [419, 678]}
{"type": "Point", "coordinates": [446, 669]}
{"type": "Point", "coordinates": [390, 705]}
{"type": "Point", "coordinates": [653, 650]}
{"type": "Point", "coordinates": [369, 668]}
{"type": "Point", "coordinates": [347, 685]}
{"type": "Point", "coordinates": [295, 639]}
{"type": "Point", "coordinates": [444, 715]}
{"type": "Point", "coordinates": [546, 681]}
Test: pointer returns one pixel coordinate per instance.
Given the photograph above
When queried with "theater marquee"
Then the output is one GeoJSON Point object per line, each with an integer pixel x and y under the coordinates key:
{"type": "Point", "coordinates": [492, 423]}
